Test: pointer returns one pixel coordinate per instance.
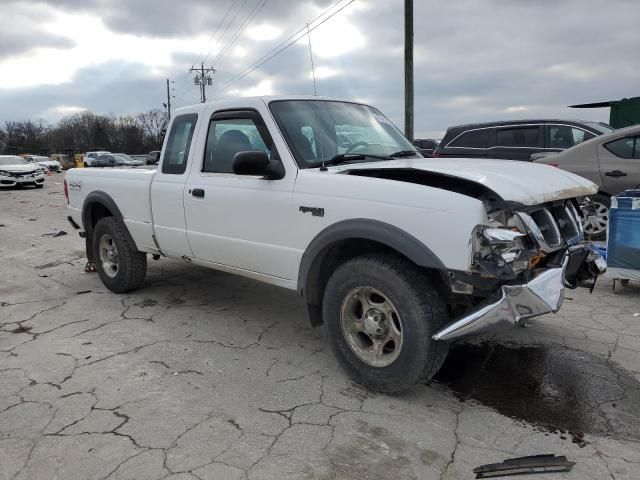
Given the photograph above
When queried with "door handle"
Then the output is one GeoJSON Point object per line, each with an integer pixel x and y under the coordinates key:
{"type": "Point", "coordinates": [615, 173]}
{"type": "Point", "coordinates": [197, 192]}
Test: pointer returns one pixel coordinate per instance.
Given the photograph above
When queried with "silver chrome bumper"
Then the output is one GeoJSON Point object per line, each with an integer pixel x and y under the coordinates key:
{"type": "Point", "coordinates": [543, 294]}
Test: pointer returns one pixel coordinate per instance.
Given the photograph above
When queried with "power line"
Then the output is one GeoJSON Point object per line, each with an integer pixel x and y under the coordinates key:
{"type": "Point", "coordinates": [226, 29]}
{"type": "Point", "coordinates": [301, 29]}
{"type": "Point", "coordinates": [215, 32]}
{"type": "Point", "coordinates": [256, 9]}
{"type": "Point", "coordinates": [264, 59]}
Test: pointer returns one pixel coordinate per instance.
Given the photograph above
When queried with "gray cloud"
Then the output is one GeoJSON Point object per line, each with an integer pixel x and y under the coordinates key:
{"type": "Point", "coordinates": [13, 43]}
{"type": "Point", "coordinates": [474, 61]}
{"type": "Point", "coordinates": [21, 30]}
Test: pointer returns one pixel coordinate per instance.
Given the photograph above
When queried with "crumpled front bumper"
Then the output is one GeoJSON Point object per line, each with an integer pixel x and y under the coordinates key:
{"type": "Point", "coordinates": [543, 294]}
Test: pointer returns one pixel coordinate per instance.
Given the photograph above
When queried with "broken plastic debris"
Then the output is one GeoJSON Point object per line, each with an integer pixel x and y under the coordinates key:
{"type": "Point", "coordinates": [58, 233]}
{"type": "Point", "coordinates": [525, 465]}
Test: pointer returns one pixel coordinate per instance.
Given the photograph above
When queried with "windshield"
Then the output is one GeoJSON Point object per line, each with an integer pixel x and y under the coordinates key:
{"type": "Point", "coordinates": [12, 161]}
{"type": "Point", "coordinates": [318, 130]}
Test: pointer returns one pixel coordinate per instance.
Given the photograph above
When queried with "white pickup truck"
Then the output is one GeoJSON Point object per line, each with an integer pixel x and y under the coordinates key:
{"type": "Point", "coordinates": [397, 255]}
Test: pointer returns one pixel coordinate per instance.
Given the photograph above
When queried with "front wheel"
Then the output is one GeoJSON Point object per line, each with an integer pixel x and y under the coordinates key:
{"type": "Point", "coordinates": [121, 266]}
{"type": "Point", "coordinates": [380, 312]}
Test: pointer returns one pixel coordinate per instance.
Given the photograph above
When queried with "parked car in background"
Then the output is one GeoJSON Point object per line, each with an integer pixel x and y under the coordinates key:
{"type": "Point", "coordinates": [142, 158]}
{"type": "Point", "coordinates": [153, 157]}
{"type": "Point", "coordinates": [52, 165]}
{"type": "Point", "coordinates": [15, 171]}
{"type": "Point", "coordinates": [90, 157]}
{"type": "Point", "coordinates": [106, 160]}
{"type": "Point", "coordinates": [610, 161]}
{"type": "Point", "coordinates": [64, 160]}
{"type": "Point", "coordinates": [124, 160]}
{"type": "Point", "coordinates": [516, 140]}
{"type": "Point", "coordinates": [426, 146]}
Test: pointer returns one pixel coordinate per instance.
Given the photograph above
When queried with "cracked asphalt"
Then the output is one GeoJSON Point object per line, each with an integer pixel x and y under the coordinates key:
{"type": "Point", "coordinates": [203, 375]}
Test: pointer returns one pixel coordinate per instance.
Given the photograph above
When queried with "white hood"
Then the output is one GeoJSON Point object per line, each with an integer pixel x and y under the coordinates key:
{"type": "Point", "coordinates": [518, 181]}
{"type": "Point", "coordinates": [19, 168]}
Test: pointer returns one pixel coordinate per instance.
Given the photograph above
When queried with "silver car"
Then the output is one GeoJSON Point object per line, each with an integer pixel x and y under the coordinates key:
{"type": "Point", "coordinates": [611, 161]}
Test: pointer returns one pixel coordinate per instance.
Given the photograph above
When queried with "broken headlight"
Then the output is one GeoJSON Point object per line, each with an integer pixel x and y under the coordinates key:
{"type": "Point", "coordinates": [499, 249]}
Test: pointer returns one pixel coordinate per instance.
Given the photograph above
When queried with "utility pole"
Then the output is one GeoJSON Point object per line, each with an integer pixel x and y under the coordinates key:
{"type": "Point", "coordinates": [168, 100]}
{"type": "Point", "coordinates": [203, 79]}
{"type": "Point", "coordinates": [408, 69]}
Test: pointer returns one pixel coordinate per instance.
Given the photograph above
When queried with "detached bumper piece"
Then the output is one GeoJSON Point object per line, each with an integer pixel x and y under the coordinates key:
{"type": "Point", "coordinates": [543, 294]}
{"type": "Point", "coordinates": [524, 466]}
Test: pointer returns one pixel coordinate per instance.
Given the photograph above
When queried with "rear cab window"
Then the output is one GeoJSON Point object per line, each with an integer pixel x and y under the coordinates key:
{"type": "Point", "coordinates": [178, 144]}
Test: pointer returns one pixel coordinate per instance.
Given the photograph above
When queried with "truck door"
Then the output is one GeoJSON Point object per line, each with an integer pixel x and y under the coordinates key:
{"type": "Point", "coordinates": [239, 221]}
{"type": "Point", "coordinates": [620, 164]}
{"type": "Point", "coordinates": [167, 187]}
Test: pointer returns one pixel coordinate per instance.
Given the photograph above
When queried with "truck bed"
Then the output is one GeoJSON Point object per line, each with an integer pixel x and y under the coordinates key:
{"type": "Point", "coordinates": [133, 185]}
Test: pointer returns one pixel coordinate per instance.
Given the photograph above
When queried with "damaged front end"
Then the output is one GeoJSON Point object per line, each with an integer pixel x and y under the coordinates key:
{"type": "Point", "coordinates": [522, 261]}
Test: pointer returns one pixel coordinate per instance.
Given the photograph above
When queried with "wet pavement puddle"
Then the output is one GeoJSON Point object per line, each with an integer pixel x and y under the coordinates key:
{"type": "Point", "coordinates": [554, 388]}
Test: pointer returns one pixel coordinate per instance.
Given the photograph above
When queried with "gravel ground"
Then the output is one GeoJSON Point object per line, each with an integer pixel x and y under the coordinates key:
{"type": "Point", "coordinates": [201, 374]}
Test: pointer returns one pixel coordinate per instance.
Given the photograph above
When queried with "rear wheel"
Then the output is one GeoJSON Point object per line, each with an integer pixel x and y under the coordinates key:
{"type": "Point", "coordinates": [380, 312]}
{"type": "Point", "coordinates": [121, 266]}
{"type": "Point", "coordinates": [595, 227]}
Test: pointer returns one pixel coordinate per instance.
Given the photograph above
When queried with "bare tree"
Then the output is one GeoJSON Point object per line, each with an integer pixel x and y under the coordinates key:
{"type": "Point", "coordinates": [153, 123]}
{"type": "Point", "coordinates": [3, 140]}
{"type": "Point", "coordinates": [85, 131]}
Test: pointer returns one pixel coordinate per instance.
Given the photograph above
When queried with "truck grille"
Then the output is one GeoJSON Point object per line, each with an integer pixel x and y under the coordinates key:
{"type": "Point", "coordinates": [553, 226]}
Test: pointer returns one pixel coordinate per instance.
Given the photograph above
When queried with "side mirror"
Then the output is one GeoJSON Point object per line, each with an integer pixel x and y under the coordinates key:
{"type": "Point", "coordinates": [256, 162]}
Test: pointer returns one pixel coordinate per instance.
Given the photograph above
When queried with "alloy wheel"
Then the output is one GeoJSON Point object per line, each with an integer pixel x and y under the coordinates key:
{"type": "Point", "coordinates": [371, 326]}
{"type": "Point", "coordinates": [108, 253]}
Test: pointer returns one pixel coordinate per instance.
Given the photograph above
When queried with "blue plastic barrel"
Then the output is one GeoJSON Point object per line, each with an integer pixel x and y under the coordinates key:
{"type": "Point", "coordinates": [623, 239]}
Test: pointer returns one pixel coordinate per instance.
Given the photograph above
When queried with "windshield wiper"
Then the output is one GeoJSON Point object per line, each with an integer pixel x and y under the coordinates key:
{"type": "Point", "coordinates": [347, 157]}
{"type": "Point", "coordinates": [404, 153]}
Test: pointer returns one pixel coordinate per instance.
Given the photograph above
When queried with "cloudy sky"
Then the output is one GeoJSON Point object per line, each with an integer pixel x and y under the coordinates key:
{"type": "Point", "coordinates": [474, 60]}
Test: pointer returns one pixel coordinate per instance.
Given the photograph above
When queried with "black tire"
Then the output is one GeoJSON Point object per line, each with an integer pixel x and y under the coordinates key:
{"type": "Point", "coordinates": [131, 263]}
{"type": "Point", "coordinates": [420, 309]}
{"type": "Point", "coordinates": [605, 200]}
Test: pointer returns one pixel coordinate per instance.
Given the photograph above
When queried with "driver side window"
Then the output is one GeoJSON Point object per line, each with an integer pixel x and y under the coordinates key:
{"type": "Point", "coordinates": [228, 136]}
